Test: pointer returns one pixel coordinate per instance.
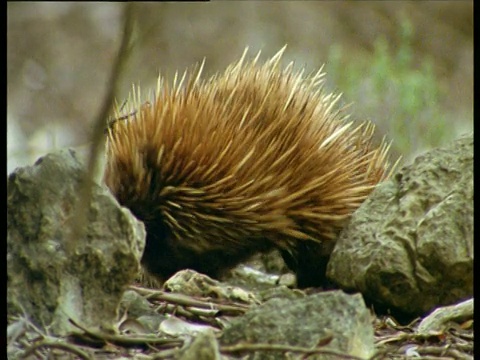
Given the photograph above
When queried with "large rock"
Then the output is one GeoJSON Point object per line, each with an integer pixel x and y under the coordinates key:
{"type": "Point", "coordinates": [53, 276]}
{"type": "Point", "coordinates": [409, 247]}
{"type": "Point", "coordinates": [304, 322]}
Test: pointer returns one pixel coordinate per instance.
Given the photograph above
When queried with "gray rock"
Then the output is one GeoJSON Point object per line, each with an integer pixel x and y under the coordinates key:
{"type": "Point", "coordinates": [136, 304]}
{"type": "Point", "coordinates": [203, 347]}
{"type": "Point", "coordinates": [52, 276]}
{"type": "Point", "coordinates": [190, 282]}
{"type": "Point", "coordinates": [409, 247]}
{"type": "Point", "coordinates": [281, 291]}
{"type": "Point", "coordinates": [303, 322]}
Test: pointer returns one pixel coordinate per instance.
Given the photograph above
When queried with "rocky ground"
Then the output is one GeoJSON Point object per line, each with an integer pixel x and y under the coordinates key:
{"type": "Point", "coordinates": [72, 299]}
{"type": "Point", "coordinates": [156, 324]}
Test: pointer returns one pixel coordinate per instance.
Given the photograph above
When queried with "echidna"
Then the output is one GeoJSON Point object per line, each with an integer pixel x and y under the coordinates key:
{"type": "Point", "coordinates": [255, 158]}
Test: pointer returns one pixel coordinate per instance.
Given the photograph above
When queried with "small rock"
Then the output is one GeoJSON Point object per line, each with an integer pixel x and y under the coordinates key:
{"type": "Point", "coordinates": [190, 282]}
{"type": "Point", "coordinates": [304, 322]}
{"type": "Point", "coordinates": [203, 347]}
{"type": "Point", "coordinates": [136, 305]}
{"type": "Point", "coordinates": [175, 326]}
{"type": "Point", "coordinates": [281, 291]}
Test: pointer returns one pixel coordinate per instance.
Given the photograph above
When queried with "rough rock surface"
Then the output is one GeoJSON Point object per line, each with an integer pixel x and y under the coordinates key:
{"type": "Point", "coordinates": [303, 322]}
{"type": "Point", "coordinates": [50, 276]}
{"type": "Point", "coordinates": [409, 247]}
{"type": "Point", "coordinates": [203, 347]}
{"type": "Point", "coordinates": [192, 283]}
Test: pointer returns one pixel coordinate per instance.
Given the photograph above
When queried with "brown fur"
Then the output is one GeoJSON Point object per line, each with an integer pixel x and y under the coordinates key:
{"type": "Point", "coordinates": [254, 158]}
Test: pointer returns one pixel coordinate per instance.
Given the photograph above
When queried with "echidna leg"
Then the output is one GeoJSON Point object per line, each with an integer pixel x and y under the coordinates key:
{"type": "Point", "coordinates": [164, 256]}
{"type": "Point", "coordinates": [309, 262]}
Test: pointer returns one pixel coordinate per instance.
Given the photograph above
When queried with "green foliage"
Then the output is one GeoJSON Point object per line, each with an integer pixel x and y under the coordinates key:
{"type": "Point", "coordinates": [396, 90]}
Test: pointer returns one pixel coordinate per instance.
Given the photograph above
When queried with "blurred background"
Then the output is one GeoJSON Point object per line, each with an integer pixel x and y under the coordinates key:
{"type": "Point", "coordinates": [406, 66]}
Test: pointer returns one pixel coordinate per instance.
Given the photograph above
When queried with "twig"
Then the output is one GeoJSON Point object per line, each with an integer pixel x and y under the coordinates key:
{"type": "Point", "coordinates": [127, 340]}
{"type": "Point", "coordinates": [55, 344]}
{"type": "Point", "coordinates": [437, 321]}
{"type": "Point", "coordinates": [184, 300]}
{"type": "Point", "coordinates": [112, 122]}
{"type": "Point", "coordinates": [85, 193]}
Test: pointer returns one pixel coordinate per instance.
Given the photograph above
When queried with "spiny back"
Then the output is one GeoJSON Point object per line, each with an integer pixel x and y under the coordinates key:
{"type": "Point", "coordinates": [257, 152]}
